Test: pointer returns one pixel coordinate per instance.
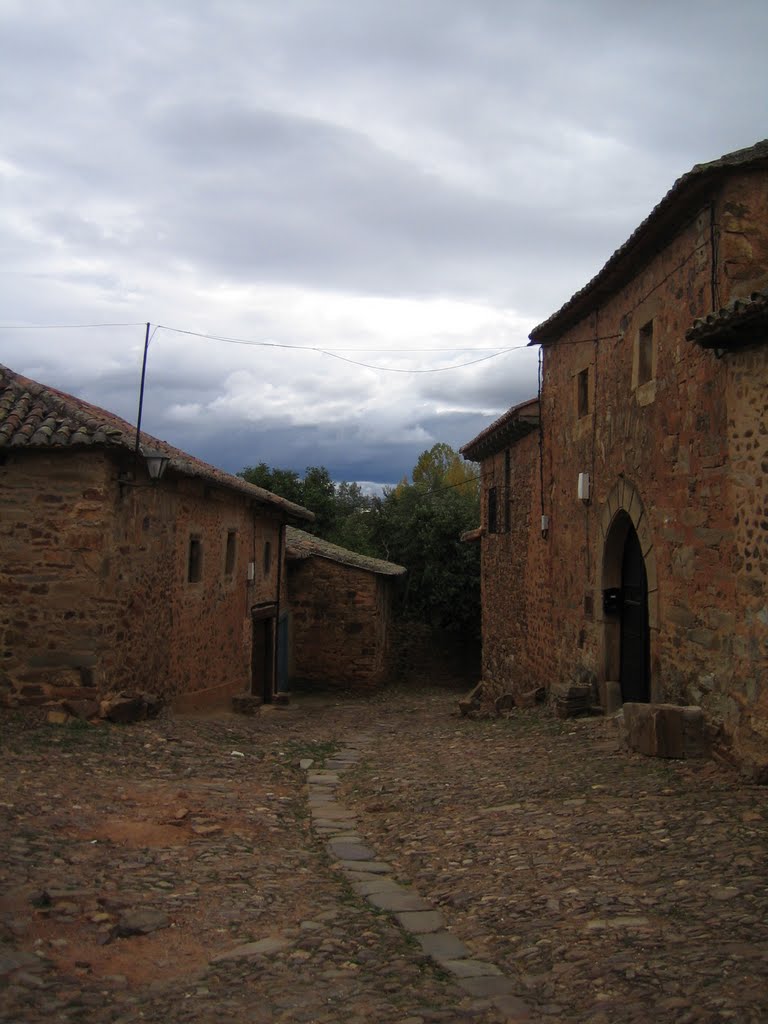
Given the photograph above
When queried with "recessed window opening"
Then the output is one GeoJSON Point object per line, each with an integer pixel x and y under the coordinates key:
{"type": "Point", "coordinates": [582, 392]}
{"type": "Point", "coordinates": [195, 564]}
{"type": "Point", "coordinates": [493, 510]}
{"type": "Point", "coordinates": [230, 552]}
{"type": "Point", "coordinates": [267, 557]}
{"type": "Point", "coordinates": [507, 483]}
{"type": "Point", "coordinates": [645, 353]}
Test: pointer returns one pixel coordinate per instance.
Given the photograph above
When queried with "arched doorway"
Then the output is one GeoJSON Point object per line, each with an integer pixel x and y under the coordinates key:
{"type": "Point", "coordinates": [630, 598]}
{"type": "Point", "coordinates": [634, 641]}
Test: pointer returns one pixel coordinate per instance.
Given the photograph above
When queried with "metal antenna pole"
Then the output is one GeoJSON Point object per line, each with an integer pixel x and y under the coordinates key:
{"type": "Point", "coordinates": [141, 398]}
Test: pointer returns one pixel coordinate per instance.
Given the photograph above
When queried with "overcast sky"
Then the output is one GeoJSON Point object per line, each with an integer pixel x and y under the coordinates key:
{"type": "Point", "coordinates": [410, 184]}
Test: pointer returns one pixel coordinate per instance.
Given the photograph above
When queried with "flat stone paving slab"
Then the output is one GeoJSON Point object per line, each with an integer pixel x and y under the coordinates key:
{"type": "Point", "coordinates": [399, 899]}
{"type": "Point", "coordinates": [379, 884]}
{"type": "Point", "coordinates": [470, 968]}
{"type": "Point", "coordinates": [420, 922]}
{"type": "Point", "coordinates": [489, 986]}
{"type": "Point", "coordinates": [351, 851]}
{"type": "Point", "coordinates": [370, 867]}
{"type": "Point", "coordinates": [442, 945]}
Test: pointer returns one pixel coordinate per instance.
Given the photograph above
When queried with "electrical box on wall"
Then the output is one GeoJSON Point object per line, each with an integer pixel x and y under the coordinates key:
{"type": "Point", "coordinates": [583, 487]}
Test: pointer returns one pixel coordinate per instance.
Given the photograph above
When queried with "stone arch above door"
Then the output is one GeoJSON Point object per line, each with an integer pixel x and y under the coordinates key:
{"type": "Point", "coordinates": [625, 505]}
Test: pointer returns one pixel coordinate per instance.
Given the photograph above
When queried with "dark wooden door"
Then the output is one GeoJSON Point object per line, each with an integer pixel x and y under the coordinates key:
{"type": "Point", "coordinates": [263, 659]}
{"type": "Point", "coordinates": [635, 636]}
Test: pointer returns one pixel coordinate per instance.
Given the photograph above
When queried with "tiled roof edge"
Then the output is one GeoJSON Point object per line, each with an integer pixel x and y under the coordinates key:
{"type": "Point", "coordinates": [300, 545]}
{"type": "Point", "coordinates": [97, 427]}
{"type": "Point", "coordinates": [732, 321]}
{"type": "Point", "coordinates": [661, 219]}
{"type": "Point", "coordinates": [524, 417]}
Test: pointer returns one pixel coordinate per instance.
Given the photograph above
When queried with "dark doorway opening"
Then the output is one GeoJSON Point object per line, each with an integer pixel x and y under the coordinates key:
{"type": "Point", "coordinates": [635, 633]}
{"type": "Point", "coordinates": [263, 654]}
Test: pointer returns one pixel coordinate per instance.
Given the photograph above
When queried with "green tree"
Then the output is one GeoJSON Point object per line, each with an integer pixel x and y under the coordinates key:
{"type": "Point", "coordinates": [419, 525]}
{"type": "Point", "coordinates": [340, 509]}
{"type": "Point", "coordinates": [285, 482]}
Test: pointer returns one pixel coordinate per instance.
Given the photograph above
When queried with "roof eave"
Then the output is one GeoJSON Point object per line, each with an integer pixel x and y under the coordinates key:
{"type": "Point", "coordinates": [688, 193]}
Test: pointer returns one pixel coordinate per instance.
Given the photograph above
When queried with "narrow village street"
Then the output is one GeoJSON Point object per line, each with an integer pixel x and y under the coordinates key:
{"type": "Point", "coordinates": [378, 861]}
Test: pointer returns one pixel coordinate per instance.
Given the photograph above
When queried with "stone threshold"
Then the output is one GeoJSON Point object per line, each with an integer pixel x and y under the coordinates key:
{"type": "Point", "coordinates": [373, 880]}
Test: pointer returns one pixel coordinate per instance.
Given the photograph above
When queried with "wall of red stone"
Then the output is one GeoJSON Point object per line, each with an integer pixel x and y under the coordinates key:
{"type": "Point", "coordinates": [514, 631]}
{"type": "Point", "coordinates": [94, 581]}
{"type": "Point", "coordinates": [340, 618]}
{"type": "Point", "coordinates": [686, 450]}
{"type": "Point", "coordinates": [747, 394]}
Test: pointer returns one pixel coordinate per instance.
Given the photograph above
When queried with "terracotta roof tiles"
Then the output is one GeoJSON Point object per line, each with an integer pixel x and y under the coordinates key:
{"type": "Point", "coordinates": [33, 416]}
{"type": "Point", "coordinates": [509, 428]}
{"type": "Point", "coordinates": [690, 189]}
{"type": "Point", "coordinates": [300, 545]}
{"type": "Point", "coordinates": [742, 322]}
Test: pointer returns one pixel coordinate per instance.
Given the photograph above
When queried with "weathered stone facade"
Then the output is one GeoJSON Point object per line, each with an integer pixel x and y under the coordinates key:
{"type": "Point", "coordinates": [667, 426]}
{"type": "Point", "coordinates": [111, 581]}
{"type": "Point", "coordinates": [340, 615]}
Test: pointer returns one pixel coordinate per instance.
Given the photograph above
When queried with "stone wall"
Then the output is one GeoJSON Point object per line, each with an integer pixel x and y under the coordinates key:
{"type": "Point", "coordinates": [516, 640]}
{"type": "Point", "coordinates": [426, 656]}
{"type": "Point", "coordinates": [748, 457]}
{"type": "Point", "coordinates": [673, 438]}
{"type": "Point", "coordinates": [95, 588]}
{"type": "Point", "coordinates": [340, 624]}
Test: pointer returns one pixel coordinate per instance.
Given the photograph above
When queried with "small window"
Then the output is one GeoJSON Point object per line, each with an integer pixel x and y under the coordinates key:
{"type": "Point", "coordinates": [195, 567]}
{"type": "Point", "coordinates": [267, 557]}
{"type": "Point", "coordinates": [230, 552]}
{"type": "Point", "coordinates": [507, 489]}
{"type": "Point", "coordinates": [645, 353]}
{"type": "Point", "coordinates": [582, 393]}
{"type": "Point", "coordinates": [493, 510]}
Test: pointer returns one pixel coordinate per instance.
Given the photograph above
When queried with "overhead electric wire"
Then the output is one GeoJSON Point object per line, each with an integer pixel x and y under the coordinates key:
{"type": "Point", "coordinates": [64, 327]}
{"type": "Point", "coordinates": [333, 353]}
{"type": "Point", "coordinates": [433, 369]}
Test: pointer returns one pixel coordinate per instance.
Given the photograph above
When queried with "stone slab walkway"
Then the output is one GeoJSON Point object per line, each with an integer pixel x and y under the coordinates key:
{"type": "Point", "coordinates": [374, 861]}
{"type": "Point", "coordinates": [373, 879]}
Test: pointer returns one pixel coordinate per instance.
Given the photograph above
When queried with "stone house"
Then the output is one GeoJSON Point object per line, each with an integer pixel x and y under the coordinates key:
{"type": "Point", "coordinates": [111, 580]}
{"type": "Point", "coordinates": [340, 614]}
{"type": "Point", "coordinates": [625, 512]}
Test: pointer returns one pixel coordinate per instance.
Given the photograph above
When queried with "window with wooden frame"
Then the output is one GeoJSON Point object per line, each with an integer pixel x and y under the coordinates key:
{"type": "Point", "coordinates": [230, 552]}
{"type": "Point", "coordinates": [195, 560]}
{"type": "Point", "coordinates": [267, 562]}
{"type": "Point", "coordinates": [582, 393]}
{"type": "Point", "coordinates": [645, 353]}
{"type": "Point", "coordinates": [493, 509]}
{"type": "Point", "coordinates": [507, 488]}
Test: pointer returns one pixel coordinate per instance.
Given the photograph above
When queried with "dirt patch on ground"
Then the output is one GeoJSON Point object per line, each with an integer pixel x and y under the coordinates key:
{"type": "Point", "coordinates": [137, 833]}
{"type": "Point", "coordinates": [141, 959]}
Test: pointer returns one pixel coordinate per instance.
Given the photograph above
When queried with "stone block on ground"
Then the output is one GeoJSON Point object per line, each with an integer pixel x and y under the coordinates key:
{"type": "Point", "coordinates": [83, 709]}
{"type": "Point", "coordinates": [612, 699]}
{"type": "Point", "coordinates": [247, 704]}
{"type": "Point", "coordinates": [664, 730]}
{"type": "Point", "coordinates": [124, 708]}
{"type": "Point", "coordinates": [473, 700]}
{"type": "Point", "coordinates": [531, 698]}
{"type": "Point", "coordinates": [506, 702]}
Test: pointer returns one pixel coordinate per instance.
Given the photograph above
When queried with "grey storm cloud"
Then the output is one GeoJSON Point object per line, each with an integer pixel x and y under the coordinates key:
{"type": "Point", "coordinates": [360, 177]}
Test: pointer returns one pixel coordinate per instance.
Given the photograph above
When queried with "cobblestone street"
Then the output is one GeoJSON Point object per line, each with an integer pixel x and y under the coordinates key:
{"type": "Point", "coordinates": [206, 869]}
